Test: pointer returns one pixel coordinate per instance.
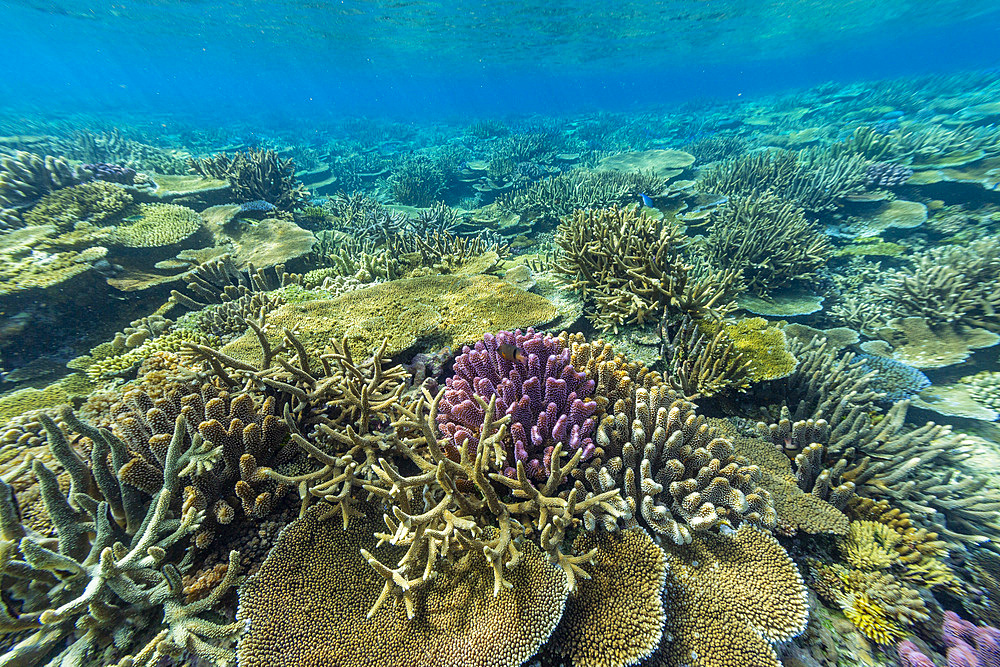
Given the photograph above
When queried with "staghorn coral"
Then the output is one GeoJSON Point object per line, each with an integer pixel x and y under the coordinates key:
{"type": "Point", "coordinates": [256, 174]}
{"type": "Point", "coordinates": [530, 377]}
{"type": "Point", "coordinates": [816, 181]}
{"type": "Point", "coordinates": [953, 284]}
{"type": "Point", "coordinates": [463, 620]}
{"type": "Point", "coordinates": [110, 573]}
{"type": "Point", "coordinates": [837, 584]}
{"type": "Point", "coordinates": [631, 269]}
{"type": "Point", "coordinates": [701, 364]}
{"type": "Point", "coordinates": [446, 252]}
{"type": "Point", "coordinates": [417, 182]}
{"type": "Point", "coordinates": [727, 600]}
{"type": "Point", "coordinates": [768, 240]}
{"type": "Point", "coordinates": [615, 617]}
{"type": "Point", "coordinates": [544, 202]}
{"type": "Point", "coordinates": [678, 476]}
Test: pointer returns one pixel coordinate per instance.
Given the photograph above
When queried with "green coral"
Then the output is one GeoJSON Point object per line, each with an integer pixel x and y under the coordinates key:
{"type": "Point", "coordinates": [96, 202]}
{"type": "Point", "coordinates": [429, 312]}
{"type": "Point", "coordinates": [763, 346]}
{"type": "Point", "coordinates": [157, 225]}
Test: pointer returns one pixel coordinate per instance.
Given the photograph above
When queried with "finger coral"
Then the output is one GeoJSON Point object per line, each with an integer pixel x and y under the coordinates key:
{"type": "Point", "coordinates": [678, 476]}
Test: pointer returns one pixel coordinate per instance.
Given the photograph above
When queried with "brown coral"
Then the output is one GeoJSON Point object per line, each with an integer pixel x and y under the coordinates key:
{"type": "Point", "coordinates": [727, 599]}
{"type": "Point", "coordinates": [309, 605]}
{"type": "Point", "coordinates": [615, 618]}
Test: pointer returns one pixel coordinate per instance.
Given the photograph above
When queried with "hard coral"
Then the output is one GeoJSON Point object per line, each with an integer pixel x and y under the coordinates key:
{"type": "Point", "coordinates": [727, 600]}
{"type": "Point", "coordinates": [768, 239]}
{"type": "Point", "coordinates": [632, 270]}
{"type": "Point", "coordinates": [310, 605]}
{"type": "Point", "coordinates": [256, 174]}
{"type": "Point", "coordinates": [680, 478]}
{"type": "Point", "coordinates": [531, 376]}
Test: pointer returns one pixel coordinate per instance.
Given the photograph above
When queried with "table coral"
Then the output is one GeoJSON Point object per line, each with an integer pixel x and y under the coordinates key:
{"type": "Point", "coordinates": [614, 618]}
{"type": "Point", "coordinates": [727, 600]}
{"type": "Point", "coordinates": [312, 603]}
{"type": "Point", "coordinates": [97, 202]}
{"type": "Point", "coordinates": [157, 225]}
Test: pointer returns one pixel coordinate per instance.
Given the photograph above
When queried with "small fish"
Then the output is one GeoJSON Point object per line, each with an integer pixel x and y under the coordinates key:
{"type": "Point", "coordinates": [511, 353]}
{"type": "Point", "coordinates": [646, 201]}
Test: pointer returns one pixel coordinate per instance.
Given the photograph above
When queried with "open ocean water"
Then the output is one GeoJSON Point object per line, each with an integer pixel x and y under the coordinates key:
{"type": "Point", "coordinates": [461, 334]}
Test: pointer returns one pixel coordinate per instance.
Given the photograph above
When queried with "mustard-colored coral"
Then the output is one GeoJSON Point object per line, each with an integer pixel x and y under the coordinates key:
{"type": "Point", "coordinates": [94, 202]}
{"type": "Point", "coordinates": [431, 311]}
{"type": "Point", "coordinates": [727, 599]}
{"type": "Point", "coordinates": [870, 545]}
{"type": "Point", "coordinates": [308, 605]}
{"type": "Point", "coordinates": [121, 364]}
{"type": "Point", "coordinates": [872, 620]}
{"type": "Point", "coordinates": [157, 225]}
{"type": "Point", "coordinates": [763, 346]}
{"type": "Point", "coordinates": [615, 618]}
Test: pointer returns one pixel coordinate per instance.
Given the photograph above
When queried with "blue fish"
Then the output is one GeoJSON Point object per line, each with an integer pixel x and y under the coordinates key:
{"type": "Point", "coordinates": [646, 201]}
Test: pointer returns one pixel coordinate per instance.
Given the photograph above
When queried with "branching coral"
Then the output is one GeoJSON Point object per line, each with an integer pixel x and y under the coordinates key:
{"type": "Point", "coordinates": [631, 269]}
{"type": "Point", "coordinates": [108, 570]}
{"type": "Point", "coordinates": [545, 202]}
{"type": "Point", "coordinates": [701, 364]}
{"type": "Point", "coordinates": [767, 239]}
{"type": "Point", "coordinates": [955, 284]}
{"type": "Point", "coordinates": [26, 178]}
{"type": "Point", "coordinates": [255, 174]}
{"type": "Point", "coordinates": [817, 181]}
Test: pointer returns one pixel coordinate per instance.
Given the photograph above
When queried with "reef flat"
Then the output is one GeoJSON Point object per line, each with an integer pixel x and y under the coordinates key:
{"type": "Point", "coordinates": [705, 386]}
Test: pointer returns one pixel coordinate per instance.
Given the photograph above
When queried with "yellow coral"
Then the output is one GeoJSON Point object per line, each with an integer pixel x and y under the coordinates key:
{"type": "Point", "coordinates": [872, 620]}
{"type": "Point", "coordinates": [870, 545]}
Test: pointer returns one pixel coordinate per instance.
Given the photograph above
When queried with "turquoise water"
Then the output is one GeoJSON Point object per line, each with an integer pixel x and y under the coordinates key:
{"type": "Point", "coordinates": [417, 59]}
{"type": "Point", "coordinates": [490, 334]}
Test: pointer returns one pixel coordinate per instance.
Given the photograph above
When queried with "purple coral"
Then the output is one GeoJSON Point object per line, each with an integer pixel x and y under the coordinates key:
{"type": "Point", "coordinates": [959, 636]}
{"type": "Point", "coordinates": [887, 174]}
{"type": "Point", "coordinates": [534, 382]}
{"type": "Point", "coordinates": [112, 173]}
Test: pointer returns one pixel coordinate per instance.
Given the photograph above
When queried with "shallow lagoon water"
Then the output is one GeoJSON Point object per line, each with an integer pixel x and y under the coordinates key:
{"type": "Point", "coordinates": [437, 333]}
